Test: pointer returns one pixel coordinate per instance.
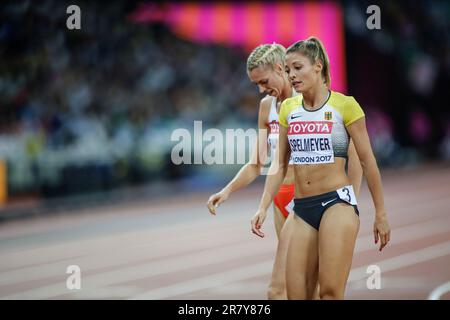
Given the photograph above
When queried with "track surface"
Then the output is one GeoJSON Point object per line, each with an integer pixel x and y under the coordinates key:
{"type": "Point", "coordinates": [173, 249]}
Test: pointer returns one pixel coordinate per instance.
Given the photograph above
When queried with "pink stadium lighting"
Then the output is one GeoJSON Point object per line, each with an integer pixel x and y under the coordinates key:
{"type": "Point", "coordinates": [251, 24]}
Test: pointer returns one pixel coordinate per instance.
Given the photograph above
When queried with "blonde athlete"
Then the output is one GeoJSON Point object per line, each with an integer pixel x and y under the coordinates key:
{"type": "Point", "coordinates": [265, 68]}
{"type": "Point", "coordinates": [315, 131]}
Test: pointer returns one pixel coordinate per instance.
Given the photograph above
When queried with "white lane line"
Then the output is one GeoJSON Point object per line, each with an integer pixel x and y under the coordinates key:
{"type": "Point", "coordinates": [90, 247]}
{"type": "Point", "coordinates": [89, 216]}
{"type": "Point", "coordinates": [407, 233]}
{"type": "Point", "coordinates": [416, 282]}
{"type": "Point", "coordinates": [410, 213]}
{"type": "Point", "coordinates": [403, 260]}
{"type": "Point", "coordinates": [117, 254]}
{"type": "Point", "coordinates": [439, 291]}
{"type": "Point", "coordinates": [255, 288]}
{"type": "Point", "coordinates": [214, 280]}
{"type": "Point", "coordinates": [173, 228]}
{"type": "Point", "coordinates": [147, 270]}
{"type": "Point", "coordinates": [116, 292]}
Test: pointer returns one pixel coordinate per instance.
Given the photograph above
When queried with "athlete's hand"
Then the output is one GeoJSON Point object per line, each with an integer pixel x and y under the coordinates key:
{"type": "Point", "coordinates": [257, 221]}
{"type": "Point", "coordinates": [381, 230]}
{"type": "Point", "coordinates": [216, 199]}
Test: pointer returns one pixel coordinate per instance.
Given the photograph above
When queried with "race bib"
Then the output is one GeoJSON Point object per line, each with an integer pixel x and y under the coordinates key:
{"type": "Point", "coordinates": [347, 194]}
{"type": "Point", "coordinates": [311, 142]}
{"type": "Point", "coordinates": [272, 139]}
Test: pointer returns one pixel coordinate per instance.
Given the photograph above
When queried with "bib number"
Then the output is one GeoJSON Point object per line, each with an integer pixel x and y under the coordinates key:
{"type": "Point", "coordinates": [347, 194]}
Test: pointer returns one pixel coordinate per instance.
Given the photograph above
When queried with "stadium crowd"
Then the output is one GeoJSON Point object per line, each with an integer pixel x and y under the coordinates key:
{"type": "Point", "coordinates": [93, 109]}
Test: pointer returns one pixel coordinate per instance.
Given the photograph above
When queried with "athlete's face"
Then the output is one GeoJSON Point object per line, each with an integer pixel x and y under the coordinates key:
{"type": "Point", "coordinates": [269, 80]}
{"type": "Point", "coordinates": [302, 74]}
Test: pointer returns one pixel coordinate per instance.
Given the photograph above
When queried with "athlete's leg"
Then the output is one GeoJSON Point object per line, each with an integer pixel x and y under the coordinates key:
{"type": "Point", "coordinates": [337, 235]}
{"type": "Point", "coordinates": [277, 286]}
{"type": "Point", "coordinates": [278, 219]}
{"type": "Point", "coordinates": [302, 259]}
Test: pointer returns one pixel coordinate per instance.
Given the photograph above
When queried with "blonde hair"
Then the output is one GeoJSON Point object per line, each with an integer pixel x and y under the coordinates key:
{"type": "Point", "coordinates": [314, 50]}
{"type": "Point", "coordinates": [266, 54]}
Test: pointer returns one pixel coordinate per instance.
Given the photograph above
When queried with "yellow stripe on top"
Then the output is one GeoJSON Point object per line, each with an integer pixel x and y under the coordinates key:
{"type": "Point", "coordinates": [287, 106]}
{"type": "Point", "coordinates": [347, 106]}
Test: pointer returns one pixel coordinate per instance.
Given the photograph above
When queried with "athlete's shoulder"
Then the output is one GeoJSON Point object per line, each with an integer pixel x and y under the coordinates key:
{"type": "Point", "coordinates": [266, 102]}
{"type": "Point", "coordinates": [338, 99]}
{"type": "Point", "coordinates": [347, 106]}
{"type": "Point", "coordinates": [264, 110]}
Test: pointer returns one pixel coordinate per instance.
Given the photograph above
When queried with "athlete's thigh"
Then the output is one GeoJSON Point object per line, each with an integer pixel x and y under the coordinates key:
{"type": "Point", "coordinates": [278, 219]}
{"type": "Point", "coordinates": [337, 235]}
{"type": "Point", "coordinates": [301, 260]}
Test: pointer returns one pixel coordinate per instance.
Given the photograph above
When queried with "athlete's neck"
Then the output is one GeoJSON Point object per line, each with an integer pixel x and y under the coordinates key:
{"type": "Point", "coordinates": [286, 92]}
{"type": "Point", "coordinates": [315, 97]}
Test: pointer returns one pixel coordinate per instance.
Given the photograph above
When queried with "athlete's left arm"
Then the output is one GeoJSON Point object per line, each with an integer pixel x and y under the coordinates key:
{"type": "Point", "coordinates": [360, 137]}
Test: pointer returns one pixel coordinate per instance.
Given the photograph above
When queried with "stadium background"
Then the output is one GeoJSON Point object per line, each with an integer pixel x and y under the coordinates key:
{"type": "Point", "coordinates": [86, 115]}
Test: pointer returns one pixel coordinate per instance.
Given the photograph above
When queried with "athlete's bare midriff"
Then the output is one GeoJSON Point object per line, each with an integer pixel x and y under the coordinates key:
{"type": "Point", "coordinates": [315, 179]}
{"type": "Point", "coordinates": [289, 178]}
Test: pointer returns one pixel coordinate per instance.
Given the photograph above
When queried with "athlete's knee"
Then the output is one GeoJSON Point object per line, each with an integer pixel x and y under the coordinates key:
{"type": "Point", "coordinates": [330, 292]}
{"type": "Point", "coordinates": [301, 291]}
{"type": "Point", "coordinates": [277, 292]}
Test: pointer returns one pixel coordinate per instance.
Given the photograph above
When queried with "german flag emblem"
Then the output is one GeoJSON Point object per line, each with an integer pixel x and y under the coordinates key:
{"type": "Point", "coordinates": [328, 115]}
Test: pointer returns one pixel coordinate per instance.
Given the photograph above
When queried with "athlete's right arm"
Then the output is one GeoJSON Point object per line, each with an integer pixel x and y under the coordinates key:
{"type": "Point", "coordinates": [252, 169]}
{"type": "Point", "coordinates": [355, 171]}
{"type": "Point", "coordinates": [274, 179]}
